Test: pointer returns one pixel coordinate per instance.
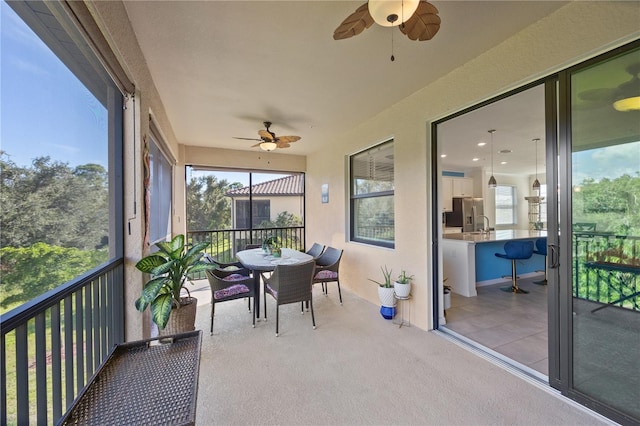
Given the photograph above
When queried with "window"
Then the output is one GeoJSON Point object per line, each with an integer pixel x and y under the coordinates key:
{"type": "Point", "coordinates": [261, 213]}
{"type": "Point", "coordinates": [372, 196]}
{"type": "Point", "coordinates": [61, 136]}
{"type": "Point", "coordinates": [506, 205]}
{"type": "Point", "coordinates": [160, 187]}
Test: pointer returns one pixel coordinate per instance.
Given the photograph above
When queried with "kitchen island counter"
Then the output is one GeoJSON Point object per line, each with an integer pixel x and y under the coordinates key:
{"type": "Point", "coordinates": [469, 259]}
{"type": "Point", "coordinates": [501, 235]}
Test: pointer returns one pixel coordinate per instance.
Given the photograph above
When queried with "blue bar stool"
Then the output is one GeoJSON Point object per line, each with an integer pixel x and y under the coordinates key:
{"type": "Point", "coordinates": [516, 250]}
{"type": "Point", "coordinates": [541, 249]}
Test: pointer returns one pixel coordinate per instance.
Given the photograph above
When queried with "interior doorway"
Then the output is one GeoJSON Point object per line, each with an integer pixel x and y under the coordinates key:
{"type": "Point", "coordinates": [503, 140]}
{"type": "Point", "coordinates": [586, 318]}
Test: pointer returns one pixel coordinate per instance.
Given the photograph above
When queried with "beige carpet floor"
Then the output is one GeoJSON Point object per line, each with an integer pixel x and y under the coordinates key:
{"type": "Point", "coordinates": [356, 368]}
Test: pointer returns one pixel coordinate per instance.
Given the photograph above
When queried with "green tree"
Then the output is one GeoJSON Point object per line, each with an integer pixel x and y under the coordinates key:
{"type": "Point", "coordinates": [208, 206]}
{"type": "Point", "coordinates": [612, 204]}
{"type": "Point", "coordinates": [28, 272]}
{"type": "Point", "coordinates": [53, 203]}
{"type": "Point", "coordinates": [283, 220]}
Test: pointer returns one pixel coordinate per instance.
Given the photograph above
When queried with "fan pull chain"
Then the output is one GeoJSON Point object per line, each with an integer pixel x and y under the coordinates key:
{"type": "Point", "coordinates": [392, 57]}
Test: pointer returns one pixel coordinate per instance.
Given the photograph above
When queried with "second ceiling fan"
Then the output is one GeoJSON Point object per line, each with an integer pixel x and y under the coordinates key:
{"type": "Point", "coordinates": [269, 141]}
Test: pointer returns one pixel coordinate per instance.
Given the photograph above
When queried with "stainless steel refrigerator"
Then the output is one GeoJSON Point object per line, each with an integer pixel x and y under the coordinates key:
{"type": "Point", "coordinates": [467, 213]}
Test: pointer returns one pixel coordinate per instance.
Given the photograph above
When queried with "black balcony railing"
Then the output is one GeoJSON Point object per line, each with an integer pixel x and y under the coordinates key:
{"type": "Point", "coordinates": [606, 269]}
{"type": "Point", "coordinates": [52, 345]}
{"type": "Point", "coordinates": [225, 243]}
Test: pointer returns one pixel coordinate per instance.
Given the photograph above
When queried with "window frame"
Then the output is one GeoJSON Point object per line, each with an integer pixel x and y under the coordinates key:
{"type": "Point", "coordinates": [161, 187]}
{"type": "Point", "coordinates": [354, 198]}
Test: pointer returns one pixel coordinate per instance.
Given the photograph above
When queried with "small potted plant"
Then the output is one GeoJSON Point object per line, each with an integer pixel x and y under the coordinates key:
{"type": "Point", "coordinates": [402, 285]}
{"type": "Point", "coordinates": [446, 290]}
{"type": "Point", "coordinates": [276, 250]}
{"type": "Point", "coordinates": [385, 294]}
{"type": "Point", "coordinates": [269, 243]}
{"type": "Point", "coordinates": [169, 268]}
{"type": "Point", "coordinates": [272, 246]}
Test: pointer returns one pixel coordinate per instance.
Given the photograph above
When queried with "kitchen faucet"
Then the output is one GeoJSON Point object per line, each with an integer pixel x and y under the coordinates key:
{"type": "Point", "coordinates": [486, 229]}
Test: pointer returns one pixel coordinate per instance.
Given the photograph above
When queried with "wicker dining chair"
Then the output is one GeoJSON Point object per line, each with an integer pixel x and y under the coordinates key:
{"type": "Point", "coordinates": [289, 284]}
{"type": "Point", "coordinates": [227, 286]}
{"type": "Point", "coordinates": [229, 268]}
{"type": "Point", "coordinates": [326, 270]}
{"type": "Point", "coordinates": [316, 250]}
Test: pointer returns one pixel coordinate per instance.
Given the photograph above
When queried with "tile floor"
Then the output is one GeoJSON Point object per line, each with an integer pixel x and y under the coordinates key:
{"type": "Point", "coordinates": [514, 325]}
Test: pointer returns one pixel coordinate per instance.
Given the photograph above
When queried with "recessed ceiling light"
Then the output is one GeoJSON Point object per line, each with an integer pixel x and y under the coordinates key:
{"type": "Point", "coordinates": [475, 159]}
{"type": "Point", "coordinates": [503, 162]}
{"type": "Point", "coordinates": [443, 155]}
{"type": "Point", "coordinates": [482, 143]}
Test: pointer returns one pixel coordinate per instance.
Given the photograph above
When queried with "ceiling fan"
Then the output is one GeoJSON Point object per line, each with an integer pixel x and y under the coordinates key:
{"type": "Point", "coordinates": [269, 141]}
{"type": "Point", "coordinates": [625, 97]}
{"type": "Point", "coordinates": [418, 19]}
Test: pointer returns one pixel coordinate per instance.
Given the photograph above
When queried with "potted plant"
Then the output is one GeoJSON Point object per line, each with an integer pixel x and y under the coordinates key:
{"type": "Point", "coordinates": [276, 249]}
{"type": "Point", "coordinates": [446, 290]}
{"type": "Point", "coordinates": [270, 243]}
{"type": "Point", "coordinates": [385, 294]}
{"type": "Point", "coordinates": [402, 285]}
{"type": "Point", "coordinates": [169, 269]}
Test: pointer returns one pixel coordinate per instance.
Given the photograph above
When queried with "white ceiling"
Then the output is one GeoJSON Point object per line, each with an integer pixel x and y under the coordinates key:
{"type": "Point", "coordinates": [224, 67]}
{"type": "Point", "coordinates": [517, 121]}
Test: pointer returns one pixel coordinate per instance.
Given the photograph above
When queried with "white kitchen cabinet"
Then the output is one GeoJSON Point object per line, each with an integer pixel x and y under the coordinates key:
{"type": "Point", "coordinates": [462, 187]}
{"type": "Point", "coordinates": [447, 194]}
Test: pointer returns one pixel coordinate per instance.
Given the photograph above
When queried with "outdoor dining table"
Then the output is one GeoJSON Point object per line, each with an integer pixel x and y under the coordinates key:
{"type": "Point", "coordinates": [257, 260]}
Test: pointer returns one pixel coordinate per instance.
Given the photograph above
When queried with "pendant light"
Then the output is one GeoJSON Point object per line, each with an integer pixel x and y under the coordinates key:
{"type": "Point", "coordinates": [492, 180]}
{"type": "Point", "coordinates": [536, 183]}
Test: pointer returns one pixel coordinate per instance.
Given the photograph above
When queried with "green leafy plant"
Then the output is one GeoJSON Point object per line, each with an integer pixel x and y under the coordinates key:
{"type": "Point", "coordinates": [272, 242]}
{"type": "Point", "coordinates": [387, 278]}
{"type": "Point", "coordinates": [403, 278]}
{"type": "Point", "coordinates": [169, 269]}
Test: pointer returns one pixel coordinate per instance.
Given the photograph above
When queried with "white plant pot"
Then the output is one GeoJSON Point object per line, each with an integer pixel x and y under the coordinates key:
{"type": "Point", "coordinates": [402, 290]}
{"type": "Point", "coordinates": [447, 300]}
{"type": "Point", "coordinates": [386, 296]}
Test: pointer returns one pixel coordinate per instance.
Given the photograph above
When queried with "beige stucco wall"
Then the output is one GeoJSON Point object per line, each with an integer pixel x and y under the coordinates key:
{"type": "Point", "coordinates": [572, 34]}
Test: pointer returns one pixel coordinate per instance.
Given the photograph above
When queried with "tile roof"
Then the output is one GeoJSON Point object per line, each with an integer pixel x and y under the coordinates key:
{"type": "Point", "coordinates": [288, 185]}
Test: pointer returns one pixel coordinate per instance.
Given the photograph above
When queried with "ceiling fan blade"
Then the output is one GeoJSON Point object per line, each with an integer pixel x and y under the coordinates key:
{"type": "Point", "coordinates": [355, 23]}
{"type": "Point", "coordinates": [258, 144]}
{"type": "Point", "coordinates": [288, 139]}
{"type": "Point", "coordinates": [424, 24]}
{"type": "Point", "coordinates": [265, 134]}
{"type": "Point", "coordinates": [282, 144]}
{"type": "Point", "coordinates": [248, 139]}
{"type": "Point", "coordinates": [597, 95]}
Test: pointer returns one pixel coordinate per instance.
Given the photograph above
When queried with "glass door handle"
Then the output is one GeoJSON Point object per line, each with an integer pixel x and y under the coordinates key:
{"type": "Point", "coordinates": [554, 259]}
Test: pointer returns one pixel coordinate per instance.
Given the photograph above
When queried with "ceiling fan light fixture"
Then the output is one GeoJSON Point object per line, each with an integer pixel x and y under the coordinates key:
{"type": "Point", "coordinates": [391, 13]}
{"type": "Point", "coordinates": [627, 104]}
{"type": "Point", "coordinates": [268, 146]}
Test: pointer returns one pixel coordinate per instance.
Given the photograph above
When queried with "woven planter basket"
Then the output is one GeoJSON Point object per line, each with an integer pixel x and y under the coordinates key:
{"type": "Point", "coordinates": [183, 319]}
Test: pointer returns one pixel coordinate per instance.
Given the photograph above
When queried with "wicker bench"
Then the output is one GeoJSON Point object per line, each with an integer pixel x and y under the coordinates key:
{"type": "Point", "coordinates": [152, 381]}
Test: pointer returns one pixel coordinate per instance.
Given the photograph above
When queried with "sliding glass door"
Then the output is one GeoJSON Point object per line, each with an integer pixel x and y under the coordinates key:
{"type": "Point", "coordinates": [599, 275]}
